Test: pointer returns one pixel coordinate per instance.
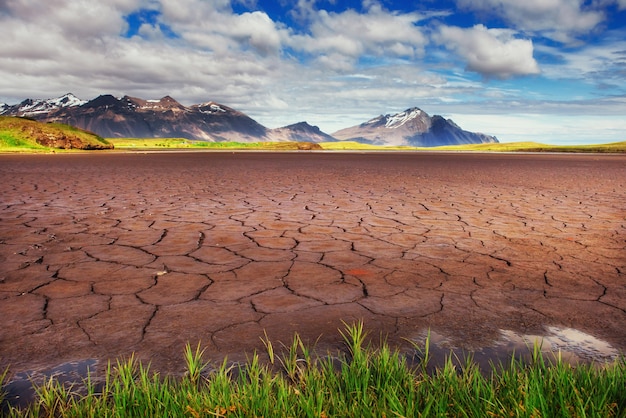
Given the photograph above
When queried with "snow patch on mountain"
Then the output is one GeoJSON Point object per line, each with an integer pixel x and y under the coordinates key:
{"type": "Point", "coordinates": [67, 100]}
{"type": "Point", "coordinates": [376, 120]}
{"type": "Point", "coordinates": [214, 107]}
{"type": "Point", "coordinates": [211, 107]}
{"type": "Point", "coordinates": [399, 119]}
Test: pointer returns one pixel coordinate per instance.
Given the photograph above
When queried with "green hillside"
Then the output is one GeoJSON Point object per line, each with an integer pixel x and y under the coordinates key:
{"type": "Point", "coordinates": [26, 135]}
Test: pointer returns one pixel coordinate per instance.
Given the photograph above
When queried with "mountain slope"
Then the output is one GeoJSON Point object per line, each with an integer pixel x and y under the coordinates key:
{"type": "Point", "coordinates": [412, 127]}
{"type": "Point", "coordinates": [300, 132]}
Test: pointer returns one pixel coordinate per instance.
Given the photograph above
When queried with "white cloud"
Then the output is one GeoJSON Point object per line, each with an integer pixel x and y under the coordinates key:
{"type": "Point", "coordinates": [561, 20]}
{"type": "Point", "coordinates": [212, 25]}
{"type": "Point", "coordinates": [76, 20]}
{"type": "Point", "coordinates": [602, 63]}
{"type": "Point", "coordinates": [352, 34]}
{"type": "Point", "coordinates": [490, 52]}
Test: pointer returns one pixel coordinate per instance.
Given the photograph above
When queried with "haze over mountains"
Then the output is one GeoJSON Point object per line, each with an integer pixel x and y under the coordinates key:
{"type": "Point", "coordinates": [112, 117]}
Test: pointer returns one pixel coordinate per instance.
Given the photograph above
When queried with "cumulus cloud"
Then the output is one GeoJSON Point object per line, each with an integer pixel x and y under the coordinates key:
{"type": "Point", "coordinates": [493, 53]}
{"type": "Point", "coordinates": [351, 34]}
{"type": "Point", "coordinates": [561, 20]}
{"type": "Point", "coordinates": [75, 19]}
{"type": "Point", "coordinates": [213, 25]}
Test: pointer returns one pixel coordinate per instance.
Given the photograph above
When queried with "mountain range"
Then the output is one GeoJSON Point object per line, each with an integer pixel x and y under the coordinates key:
{"type": "Point", "coordinates": [132, 117]}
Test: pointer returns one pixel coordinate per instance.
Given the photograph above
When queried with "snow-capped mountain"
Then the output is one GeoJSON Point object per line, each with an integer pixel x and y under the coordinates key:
{"type": "Point", "coordinates": [34, 107]}
{"type": "Point", "coordinates": [412, 127]}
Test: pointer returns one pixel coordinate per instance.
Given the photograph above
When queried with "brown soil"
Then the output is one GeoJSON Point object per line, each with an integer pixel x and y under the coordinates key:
{"type": "Point", "coordinates": [103, 255]}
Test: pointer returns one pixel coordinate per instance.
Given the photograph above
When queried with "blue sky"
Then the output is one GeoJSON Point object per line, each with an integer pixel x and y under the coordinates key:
{"type": "Point", "coordinates": [551, 71]}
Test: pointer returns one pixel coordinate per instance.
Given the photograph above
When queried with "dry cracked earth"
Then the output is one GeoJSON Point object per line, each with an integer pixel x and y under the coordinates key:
{"type": "Point", "coordinates": [103, 255]}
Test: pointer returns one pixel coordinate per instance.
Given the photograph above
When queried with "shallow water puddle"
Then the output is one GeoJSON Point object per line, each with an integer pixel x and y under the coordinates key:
{"type": "Point", "coordinates": [574, 345]}
{"type": "Point", "coordinates": [20, 392]}
{"type": "Point", "coordinates": [571, 345]}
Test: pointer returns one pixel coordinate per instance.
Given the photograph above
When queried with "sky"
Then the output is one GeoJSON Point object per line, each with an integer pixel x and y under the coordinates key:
{"type": "Point", "coordinates": [551, 71]}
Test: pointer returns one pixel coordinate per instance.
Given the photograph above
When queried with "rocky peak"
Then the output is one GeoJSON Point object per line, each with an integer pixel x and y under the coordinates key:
{"type": "Point", "coordinates": [165, 103]}
{"type": "Point", "coordinates": [169, 100]}
{"type": "Point", "coordinates": [104, 100]}
{"type": "Point", "coordinates": [303, 127]}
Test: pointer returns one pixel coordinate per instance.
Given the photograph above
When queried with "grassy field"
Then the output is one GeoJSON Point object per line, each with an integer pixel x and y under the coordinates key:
{"type": "Point", "coordinates": [182, 143]}
{"type": "Point", "coordinates": [536, 147]}
{"type": "Point", "coordinates": [499, 147]}
{"type": "Point", "coordinates": [364, 381]}
{"type": "Point", "coordinates": [173, 143]}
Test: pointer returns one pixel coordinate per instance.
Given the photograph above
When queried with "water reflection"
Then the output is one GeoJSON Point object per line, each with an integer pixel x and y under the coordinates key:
{"type": "Point", "coordinates": [20, 392]}
{"type": "Point", "coordinates": [570, 345]}
{"type": "Point", "coordinates": [574, 345]}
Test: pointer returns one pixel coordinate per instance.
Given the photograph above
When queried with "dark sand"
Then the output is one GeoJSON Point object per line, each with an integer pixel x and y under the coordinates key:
{"type": "Point", "coordinates": [105, 254]}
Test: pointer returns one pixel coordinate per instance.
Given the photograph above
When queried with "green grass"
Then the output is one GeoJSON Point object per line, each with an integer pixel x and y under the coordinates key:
{"type": "Point", "coordinates": [618, 147]}
{"type": "Point", "coordinates": [24, 135]}
{"type": "Point", "coordinates": [13, 142]}
{"type": "Point", "coordinates": [131, 143]}
{"type": "Point", "coordinates": [182, 143]}
{"type": "Point", "coordinates": [352, 145]}
{"type": "Point", "coordinates": [364, 381]}
{"type": "Point", "coordinates": [537, 147]}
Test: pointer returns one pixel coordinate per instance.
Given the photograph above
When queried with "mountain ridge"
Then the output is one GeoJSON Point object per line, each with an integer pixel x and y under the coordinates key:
{"type": "Point", "coordinates": [412, 127]}
{"type": "Point", "coordinates": [110, 116]}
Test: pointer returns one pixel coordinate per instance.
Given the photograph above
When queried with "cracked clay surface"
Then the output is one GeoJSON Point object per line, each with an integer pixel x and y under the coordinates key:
{"type": "Point", "coordinates": [102, 255]}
